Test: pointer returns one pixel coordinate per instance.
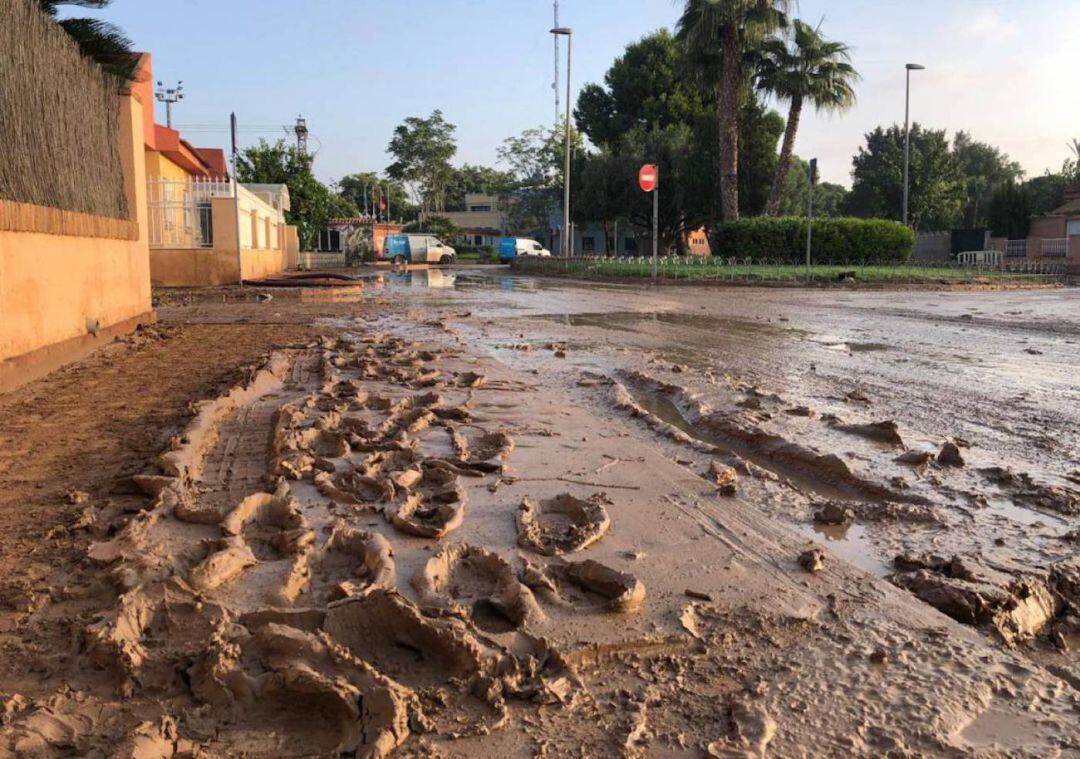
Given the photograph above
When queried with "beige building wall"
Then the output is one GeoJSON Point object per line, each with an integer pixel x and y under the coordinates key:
{"type": "Point", "coordinates": [66, 276]}
{"type": "Point", "coordinates": [263, 243]}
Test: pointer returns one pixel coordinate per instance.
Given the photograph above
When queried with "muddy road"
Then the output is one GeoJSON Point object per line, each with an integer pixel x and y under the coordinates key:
{"type": "Point", "coordinates": [475, 514]}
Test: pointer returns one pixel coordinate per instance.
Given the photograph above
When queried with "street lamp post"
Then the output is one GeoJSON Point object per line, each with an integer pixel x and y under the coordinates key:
{"type": "Point", "coordinates": [168, 96]}
{"type": "Point", "coordinates": [567, 239]}
{"type": "Point", "coordinates": [907, 132]}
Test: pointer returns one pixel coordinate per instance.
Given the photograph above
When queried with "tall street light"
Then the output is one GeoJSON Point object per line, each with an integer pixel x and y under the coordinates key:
{"type": "Point", "coordinates": [564, 248]}
{"type": "Point", "coordinates": [907, 133]}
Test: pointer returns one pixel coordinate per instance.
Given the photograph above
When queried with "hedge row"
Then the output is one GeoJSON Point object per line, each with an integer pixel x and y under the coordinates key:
{"type": "Point", "coordinates": [837, 240]}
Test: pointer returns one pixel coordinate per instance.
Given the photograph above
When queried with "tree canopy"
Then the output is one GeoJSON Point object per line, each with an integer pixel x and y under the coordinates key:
{"type": "Point", "coordinates": [645, 87]}
{"type": "Point", "coordinates": [937, 192]}
{"type": "Point", "coordinates": [422, 149]}
{"type": "Point", "coordinates": [985, 169]}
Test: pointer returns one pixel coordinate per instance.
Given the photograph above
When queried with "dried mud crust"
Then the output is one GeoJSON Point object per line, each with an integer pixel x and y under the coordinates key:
{"type": "Point", "coordinates": [255, 587]}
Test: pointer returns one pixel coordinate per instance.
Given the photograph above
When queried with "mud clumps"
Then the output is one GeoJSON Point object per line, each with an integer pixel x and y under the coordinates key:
{"type": "Point", "coordinates": [1018, 608]}
{"type": "Point", "coordinates": [586, 586]}
{"type": "Point", "coordinates": [1023, 488]}
{"type": "Point", "coordinates": [563, 524]}
{"type": "Point", "coordinates": [477, 585]}
{"type": "Point", "coordinates": [847, 512]}
{"type": "Point", "coordinates": [950, 455]}
{"type": "Point", "coordinates": [351, 562]}
{"type": "Point", "coordinates": [813, 560]}
{"type": "Point", "coordinates": [886, 432]}
{"type": "Point", "coordinates": [434, 509]}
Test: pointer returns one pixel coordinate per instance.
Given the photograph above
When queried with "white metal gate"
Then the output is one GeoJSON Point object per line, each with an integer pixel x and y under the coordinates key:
{"type": "Point", "coordinates": [181, 212]}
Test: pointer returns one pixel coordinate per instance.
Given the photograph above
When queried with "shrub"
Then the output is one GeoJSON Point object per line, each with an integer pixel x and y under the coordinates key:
{"type": "Point", "coordinates": [836, 240]}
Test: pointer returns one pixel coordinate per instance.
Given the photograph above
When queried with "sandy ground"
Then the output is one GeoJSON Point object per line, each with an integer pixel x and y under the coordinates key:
{"type": "Point", "coordinates": [484, 515]}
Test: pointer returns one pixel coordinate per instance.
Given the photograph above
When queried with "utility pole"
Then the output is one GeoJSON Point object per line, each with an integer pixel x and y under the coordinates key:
{"type": "Point", "coordinates": [810, 211]}
{"type": "Point", "coordinates": [567, 241]}
{"type": "Point", "coordinates": [168, 96]}
{"type": "Point", "coordinates": [236, 198]}
{"type": "Point", "coordinates": [301, 132]}
{"type": "Point", "coordinates": [555, 84]}
{"type": "Point", "coordinates": [907, 132]}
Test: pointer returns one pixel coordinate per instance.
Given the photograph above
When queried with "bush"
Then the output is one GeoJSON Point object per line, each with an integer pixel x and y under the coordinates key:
{"type": "Point", "coordinates": [837, 240]}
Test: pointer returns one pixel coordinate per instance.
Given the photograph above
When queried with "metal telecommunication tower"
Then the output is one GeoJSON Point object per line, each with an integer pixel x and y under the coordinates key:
{"type": "Point", "coordinates": [301, 132]}
{"type": "Point", "coordinates": [555, 84]}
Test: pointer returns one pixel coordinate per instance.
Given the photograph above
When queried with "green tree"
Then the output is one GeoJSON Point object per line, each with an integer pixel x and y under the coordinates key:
{"type": "Point", "coordinates": [937, 180]}
{"type": "Point", "coordinates": [719, 36]}
{"type": "Point", "coordinates": [1071, 168]}
{"type": "Point", "coordinates": [536, 163]}
{"type": "Point", "coordinates": [985, 168]}
{"type": "Point", "coordinates": [439, 226]}
{"type": "Point", "coordinates": [1009, 211]}
{"type": "Point", "coordinates": [313, 203]}
{"type": "Point", "coordinates": [98, 40]}
{"type": "Point", "coordinates": [1046, 193]}
{"type": "Point", "coordinates": [810, 71]}
{"type": "Point", "coordinates": [364, 190]}
{"type": "Point", "coordinates": [422, 149]}
{"type": "Point", "coordinates": [644, 87]}
{"type": "Point", "coordinates": [608, 189]}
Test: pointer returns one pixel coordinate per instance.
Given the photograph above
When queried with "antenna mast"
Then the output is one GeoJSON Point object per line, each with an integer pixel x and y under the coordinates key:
{"type": "Point", "coordinates": [301, 132]}
{"type": "Point", "coordinates": [555, 84]}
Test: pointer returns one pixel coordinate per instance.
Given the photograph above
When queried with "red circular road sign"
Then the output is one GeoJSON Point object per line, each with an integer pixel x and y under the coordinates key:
{"type": "Point", "coordinates": [648, 177]}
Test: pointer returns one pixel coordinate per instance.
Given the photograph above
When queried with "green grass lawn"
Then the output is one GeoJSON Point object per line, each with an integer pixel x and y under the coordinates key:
{"type": "Point", "coordinates": [721, 271]}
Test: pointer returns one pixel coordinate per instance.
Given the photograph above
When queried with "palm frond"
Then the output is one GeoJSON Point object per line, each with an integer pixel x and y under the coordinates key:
{"type": "Point", "coordinates": [103, 43]}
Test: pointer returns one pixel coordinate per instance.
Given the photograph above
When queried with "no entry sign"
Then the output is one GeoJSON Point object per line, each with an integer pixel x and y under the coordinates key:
{"type": "Point", "coordinates": [648, 177]}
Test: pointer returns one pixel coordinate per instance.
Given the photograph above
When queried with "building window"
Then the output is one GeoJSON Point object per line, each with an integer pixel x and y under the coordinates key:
{"type": "Point", "coordinates": [479, 209]}
{"type": "Point", "coordinates": [588, 244]}
{"type": "Point", "coordinates": [478, 240]}
{"type": "Point", "coordinates": [330, 241]}
{"type": "Point", "coordinates": [630, 245]}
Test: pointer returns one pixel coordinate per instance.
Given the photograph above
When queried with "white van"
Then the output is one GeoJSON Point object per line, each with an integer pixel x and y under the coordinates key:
{"type": "Point", "coordinates": [418, 249]}
{"type": "Point", "coordinates": [512, 247]}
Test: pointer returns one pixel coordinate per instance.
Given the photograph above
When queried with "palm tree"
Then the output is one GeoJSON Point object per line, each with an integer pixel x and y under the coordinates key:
{"type": "Point", "coordinates": [812, 70]}
{"type": "Point", "coordinates": [718, 35]}
{"type": "Point", "coordinates": [99, 41]}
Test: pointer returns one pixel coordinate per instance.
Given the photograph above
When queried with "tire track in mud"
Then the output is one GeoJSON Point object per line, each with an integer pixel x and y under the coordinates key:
{"type": "Point", "coordinates": [669, 409]}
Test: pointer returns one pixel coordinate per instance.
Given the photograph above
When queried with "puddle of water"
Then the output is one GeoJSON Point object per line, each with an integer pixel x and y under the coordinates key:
{"type": "Point", "coordinates": [850, 542]}
{"type": "Point", "coordinates": [635, 321]}
{"type": "Point", "coordinates": [346, 294]}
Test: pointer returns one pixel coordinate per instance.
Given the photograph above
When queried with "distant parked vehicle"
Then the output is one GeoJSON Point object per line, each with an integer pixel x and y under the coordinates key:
{"type": "Point", "coordinates": [403, 249]}
{"type": "Point", "coordinates": [512, 247]}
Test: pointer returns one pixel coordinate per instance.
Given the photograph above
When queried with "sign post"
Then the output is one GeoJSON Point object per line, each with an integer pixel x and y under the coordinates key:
{"type": "Point", "coordinates": [810, 212]}
{"type": "Point", "coordinates": [236, 198]}
{"type": "Point", "coordinates": [649, 180]}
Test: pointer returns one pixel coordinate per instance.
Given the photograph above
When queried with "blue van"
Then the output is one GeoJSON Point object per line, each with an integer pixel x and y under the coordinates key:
{"type": "Point", "coordinates": [512, 247]}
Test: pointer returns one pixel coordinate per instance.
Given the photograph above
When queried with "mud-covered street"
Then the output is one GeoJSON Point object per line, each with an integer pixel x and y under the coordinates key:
{"type": "Point", "coordinates": [476, 514]}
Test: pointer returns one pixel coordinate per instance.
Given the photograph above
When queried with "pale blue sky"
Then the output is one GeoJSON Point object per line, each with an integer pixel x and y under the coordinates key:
{"type": "Point", "coordinates": [1005, 70]}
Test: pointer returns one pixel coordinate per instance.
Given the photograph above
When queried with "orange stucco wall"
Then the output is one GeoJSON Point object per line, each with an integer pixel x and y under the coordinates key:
{"type": "Point", "coordinates": [60, 287]}
{"type": "Point", "coordinates": [193, 267]}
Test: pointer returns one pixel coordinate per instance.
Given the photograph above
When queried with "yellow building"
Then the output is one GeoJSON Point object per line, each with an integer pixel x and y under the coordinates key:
{"type": "Point", "coordinates": [193, 208]}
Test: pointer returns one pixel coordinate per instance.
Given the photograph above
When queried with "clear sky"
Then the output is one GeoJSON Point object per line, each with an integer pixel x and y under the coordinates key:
{"type": "Point", "coordinates": [1005, 70]}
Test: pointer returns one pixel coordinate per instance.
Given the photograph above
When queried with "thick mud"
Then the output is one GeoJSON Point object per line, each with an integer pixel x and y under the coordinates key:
{"type": "Point", "coordinates": [624, 528]}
